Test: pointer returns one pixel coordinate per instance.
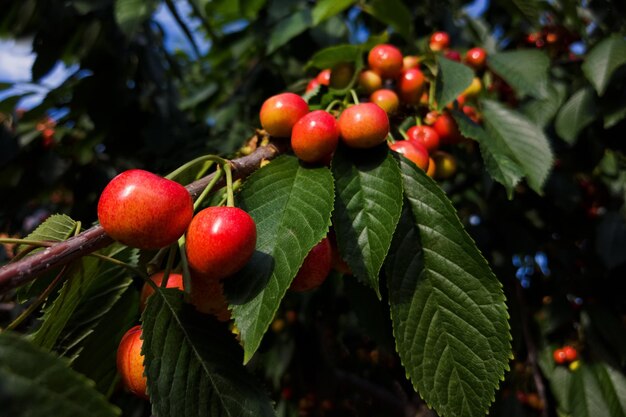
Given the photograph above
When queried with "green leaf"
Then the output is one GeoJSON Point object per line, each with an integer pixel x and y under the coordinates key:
{"type": "Point", "coordinates": [35, 383]}
{"type": "Point", "coordinates": [597, 391]}
{"type": "Point", "coordinates": [393, 13]}
{"type": "Point", "coordinates": [367, 208]}
{"type": "Point", "coordinates": [329, 57]}
{"type": "Point", "coordinates": [289, 28]}
{"type": "Point", "coordinates": [496, 156]}
{"type": "Point", "coordinates": [525, 70]}
{"type": "Point", "coordinates": [291, 205]}
{"type": "Point", "coordinates": [520, 139]}
{"type": "Point", "coordinates": [325, 9]}
{"type": "Point", "coordinates": [602, 61]}
{"type": "Point", "coordinates": [452, 79]}
{"type": "Point", "coordinates": [448, 308]}
{"type": "Point", "coordinates": [576, 114]}
{"type": "Point", "coordinates": [198, 96]}
{"type": "Point", "coordinates": [530, 8]}
{"type": "Point", "coordinates": [131, 14]}
{"type": "Point", "coordinates": [543, 111]}
{"type": "Point", "coordinates": [55, 228]}
{"type": "Point", "coordinates": [193, 364]}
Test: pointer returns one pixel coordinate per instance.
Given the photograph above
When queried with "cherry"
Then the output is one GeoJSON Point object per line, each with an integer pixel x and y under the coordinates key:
{"type": "Point", "coordinates": [410, 61]}
{"type": "Point", "coordinates": [312, 85]}
{"type": "Point", "coordinates": [173, 281]}
{"type": "Point", "coordinates": [280, 112]}
{"type": "Point", "coordinates": [314, 269]}
{"type": "Point", "coordinates": [425, 136]}
{"type": "Point", "coordinates": [363, 125]}
{"type": "Point", "coordinates": [315, 136]}
{"type": "Point", "coordinates": [439, 41]}
{"type": "Point", "coordinates": [323, 77]}
{"type": "Point", "coordinates": [476, 58]}
{"type": "Point", "coordinates": [387, 100]}
{"type": "Point", "coordinates": [448, 131]}
{"type": "Point", "coordinates": [472, 113]}
{"type": "Point", "coordinates": [411, 86]}
{"type": "Point", "coordinates": [220, 241]}
{"type": "Point", "coordinates": [386, 60]}
{"type": "Point", "coordinates": [142, 210]}
{"type": "Point", "coordinates": [341, 75]}
{"type": "Point", "coordinates": [453, 56]}
{"type": "Point", "coordinates": [570, 353]}
{"type": "Point", "coordinates": [207, 296]}
{"type": "Point", "coordinates": [412, 151]}
{"type": "Point", "coordinates": [445, 165]}
{"type": "Point", "coordinates": [130, 363]}
{"type": "Point", "coordinates": [370, 81]}
{"type": "Point", "coordinates": [559, 356]}
{"type": "Point", "coordinates": [432, 168]}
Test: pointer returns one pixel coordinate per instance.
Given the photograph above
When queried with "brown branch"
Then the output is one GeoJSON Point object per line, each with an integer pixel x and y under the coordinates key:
{"type": "Point", "coordinates": [27, 269]}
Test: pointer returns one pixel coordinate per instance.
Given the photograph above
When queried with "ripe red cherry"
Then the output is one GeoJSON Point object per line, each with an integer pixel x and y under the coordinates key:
{"type": "Point", "coordinates": [313, 84]}
{"type": "Point", "coordinates": [476, 58]}
{"type": "Point", "coordinates": [220, 241]}
{"type": "Point", "coordinates": [363, 125]}
{"type": "Point", "coordinates": [439, 41]}
{"type": "Point", "coordinates": [387, 100]}
{"type": "Point", "coordinates": [425, 136]}
{"type": "Point", "coordinates": [447, 129]}
{"type": "Point", "coordinates": [386, 60]}
{"type": "Point", "coordinates": [173, 281]}
{"type": "Point", "coordinates": [323, 77]}
{"type": "Point", "coordinates": [315, 136]}
{"type": "Point", "coordinates": [559, 356]}
{"type": "Point", "coordinates": [370, 81]}
{"type": "Point", "coordinates": [315, 268]}
{"type": "Point", "coordinates": [411, 86]}
{"type": "Point", "coordinates": [570, 353]}
{"type": "Point", "coordinates": [142, 210]}
{"type": "Point", "coordinates": [207, 296]}
{"type": "Point", "coordinates": [412, 151]}
{"type": "Point", "coordinates": [453, 55]}
{"type": "Point", "coordinates": [280, 112]}
{"type": "Point", "coordinates": [130, 363]}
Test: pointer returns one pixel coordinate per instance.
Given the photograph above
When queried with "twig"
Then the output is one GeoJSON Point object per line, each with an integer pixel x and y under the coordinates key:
{"type": "Point", "coordinates": [27, 269]}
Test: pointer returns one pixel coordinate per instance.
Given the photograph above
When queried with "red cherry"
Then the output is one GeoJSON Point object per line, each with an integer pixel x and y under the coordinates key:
{"type": "Point", "coordinates": [315, 136]}
{"type": "Point", "coordinates": [439, 41]}
{"type": "Point", "coordinates": [142, 210]}
{"type": "Point", "coordinates": [425, 136]}
{"type": "Point", "coordinates": [173, 281]}
{"type": "Point", "coordinates": [323, 77]}
{"type": "Point", "coordinates": [472, 113]}
{"type": "Point", "coordinates": [130, 363]}
{"type": "Point", "coordinates": [363, 125]}
{"type": "Point", "coordinates": [476, 58]}
{"type": "Point", "coordinates": [387, 100]}
{"type": "Point", "coordinates": [207, 296]}
{"type": "Point", "coordinates": [312, 85]}
{"type": "Point", "coordinates": [315, 268]}
{"type": "Point", "coordinates": [414, 152]}
{"type": "Point", "coordinates": [447, 129]}
{"type": "Point", "coordinates": [559, 356]}
{"type": "Point", "coordinates": [280, 112]}
{"type": "Point", "coordinates": [453, 55]}
{"type": "Point", "coordinates": [220, 241]}
{"type": "Point", "coordinates": [570, 353]}
{"type": "Point", "coordinates": [386, 60]}
{"type": "Point", "coordinates": [411, 86]}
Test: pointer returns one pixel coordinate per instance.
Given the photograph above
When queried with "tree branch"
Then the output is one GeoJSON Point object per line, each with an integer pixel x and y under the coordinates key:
{"type": "Point", "coordinates": [27, 269]}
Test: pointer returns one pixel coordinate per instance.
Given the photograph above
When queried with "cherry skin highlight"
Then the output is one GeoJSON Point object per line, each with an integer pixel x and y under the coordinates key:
{"type": "Point", "coordinates": [425, 136]}
{"type": "Point", "coordinates": [280, 112]}
{"type": "Point", "coordinates": [145, 211]}
{"type": "Point", "coordinates": [386, 60]}
{"type": "Point", "coordinates": [220, 241]}
{"type": "Point", "coordinates": [173, 281]}
{"type": "Point", "coordinates": [315, 136]}
{"type": "Point", "coordinates": [414, 152]}
{"type": "Point", "coordinates": [130, 363]}
{"type": "Point", "coordinates": [315, 268]}
{"type": "Point", "coordinates": [363, 125]}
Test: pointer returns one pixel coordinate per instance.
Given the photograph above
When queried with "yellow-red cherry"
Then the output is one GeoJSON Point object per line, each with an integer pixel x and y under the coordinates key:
{"type": "Point", "coordinates": [411, 86]}
{"type": "Point", "coordinates": [370, 81]}
{"type": "Point", "coordinates": [315, 268]}
{"type": "Point", "coordinates": [173, 281]}
{"type": "Point", "coordinates": [315, 136]}
{"type": "Point", "coordinates": [410, 61]}
{"type": "Point", "coordinates": [130, 363]}
{"type": "Point", "coordinates": [476, 58]}
{"type": "Point", "coordinates": [412, 151]}
{"type": "Point", "coordinates": [143, 210]}
{"type": "Point", "coordinates": [363, 125]}
{"type": "Point", "coordinates": [386, 60]}
{"type": "Point", "coordinates": [439, 41]}
{"type": "Point", "coordinates": [220, 241]}
{"type": "Point", "coordinates": [207, 296]}
{"type": "Point", "coordinates": [425, 136]}
{"type": "Point", "coordinates": [387, 100]}
{"type": "Point", "coordinates": [280, 112]}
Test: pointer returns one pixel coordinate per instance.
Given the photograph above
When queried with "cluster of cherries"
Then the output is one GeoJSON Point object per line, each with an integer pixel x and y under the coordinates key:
{"type": "Point", "coordinates": [567, 355]}
{"type": "Point", "coordinates": [389, 87]}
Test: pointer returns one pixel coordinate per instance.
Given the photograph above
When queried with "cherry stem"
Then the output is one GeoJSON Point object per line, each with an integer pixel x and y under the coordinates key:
{"type": "Point", "coordinates": [230, 202]}
{"type": "Point", "coordinates": [208, 188]}
{"type": "Point", "coordinates": [332, 104]}
{"type": "Point", "coordinates": [390, 138]}
{"type": "Point", "coordinates": [355, 97]}
{"type": "Point", "coordinates": [204, 158]}
{"type": "Point", "coordinates": [39, 301]}
{"type": "Point", "coordinates": [403, 134]}
{"type": "Point", "coordinates": [185, 266]}
{"type": "Point", "coordinates": [30, 242]}
{"type": "Point", "coordinates": [117, 262]}
{"type": "Point", "coordinates": [418, 121]}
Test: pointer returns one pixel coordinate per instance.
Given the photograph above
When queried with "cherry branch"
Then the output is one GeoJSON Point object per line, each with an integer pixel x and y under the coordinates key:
{"type": "Point", "coordinates": [58, 254]}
